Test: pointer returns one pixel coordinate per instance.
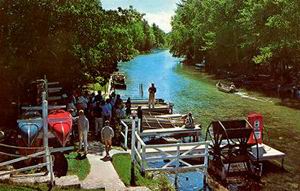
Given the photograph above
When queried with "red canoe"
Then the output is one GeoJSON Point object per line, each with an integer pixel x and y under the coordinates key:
{"type": "Point", "coordinates": [60, 122]}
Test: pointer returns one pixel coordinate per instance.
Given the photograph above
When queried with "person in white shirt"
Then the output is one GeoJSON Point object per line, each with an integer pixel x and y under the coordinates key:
{"type": "Point", "coordinates": [83, 129]}
{"type": "Point", "coordinates": [107, 133]}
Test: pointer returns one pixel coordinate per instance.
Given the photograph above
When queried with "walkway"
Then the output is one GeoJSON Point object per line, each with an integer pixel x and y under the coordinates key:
{"type": "Point", "coordinates": [103, 174]}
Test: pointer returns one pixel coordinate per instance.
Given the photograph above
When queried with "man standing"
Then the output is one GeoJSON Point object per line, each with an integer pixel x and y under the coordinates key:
{"type": "Point", "coordinates": [97, 113]}
{"type": "Point", "coordinates": [152, 91]}
{"type": "Point", "coordinates": [83, 129]}
{"type": "Point", "coordinates": [107, 134]}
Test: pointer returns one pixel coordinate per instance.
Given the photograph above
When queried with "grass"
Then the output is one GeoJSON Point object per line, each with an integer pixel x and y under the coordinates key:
{"type": "Point", "coordinates": [122, 164]}
{"type": "Point", "coordinates": [81, 168]}
{"type": "Point", "coordinates": [282, 131]}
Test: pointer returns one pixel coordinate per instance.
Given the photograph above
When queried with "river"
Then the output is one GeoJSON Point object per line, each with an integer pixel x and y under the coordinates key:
{"type": "Point", "coordinates": [182, 85]}
{"type": "Point", "coordinates": [193, 91]}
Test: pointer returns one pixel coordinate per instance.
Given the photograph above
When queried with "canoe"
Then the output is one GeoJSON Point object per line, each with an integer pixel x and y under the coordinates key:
{"type": "Point", "coordinates": [225, 88]}
{"type": "Point", "coordinates": [60, 122]}
{"type": "Point", "coordinates": [30, 126]}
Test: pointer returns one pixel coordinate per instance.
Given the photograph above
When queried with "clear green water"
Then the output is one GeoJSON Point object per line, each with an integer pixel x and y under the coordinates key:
{"type": "Point", "coordinates": [182, 85]}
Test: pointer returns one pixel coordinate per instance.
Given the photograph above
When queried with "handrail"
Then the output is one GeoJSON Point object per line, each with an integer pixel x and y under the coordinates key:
{"type": "Point", "coordinates": [24, 169]}
{"type": "Point", "coordinates": [175, 144]}
{"type": "Point", "coordinates": [139, 139]}
{"type": "Point", "coordinates": [16, 147]}
{"type": "Point", "coordinates": [126, 134]}
{"type": "Point", "coordinates": [22, 158]}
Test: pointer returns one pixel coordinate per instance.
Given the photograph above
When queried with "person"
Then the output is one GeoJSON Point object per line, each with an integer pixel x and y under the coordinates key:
{"type": "Point", "coordinates": [232, 87]}
{"type": "Point", "coordinates": [71, 107]}
{"type": "Point", "coordinates": [203, 61]}
{"type": "Point", "coordinates": [83, 129]}
{"type": "Point", "coordinates": [107, 133]}
{"type": "Point", "coordinates": [107, 110]}
{"type": "Point", "coordinates": [189, 121]}
{"type": "Point", "coordinates": [128, 107]}
{"type": "Point", "coordinates": [97, 113]}
{"type": "Point", "coordinates": [83, 102]}
{"type": "Point", "coordinates": [98, 97]}
{"type": "Point", "coordinates": [152, 91]}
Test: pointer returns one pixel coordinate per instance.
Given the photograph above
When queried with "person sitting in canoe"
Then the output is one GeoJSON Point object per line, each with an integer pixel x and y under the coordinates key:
{"type": "Point", "coordinates": [232, 87]}
{"type": "Point", "coordinates": [189, 121]}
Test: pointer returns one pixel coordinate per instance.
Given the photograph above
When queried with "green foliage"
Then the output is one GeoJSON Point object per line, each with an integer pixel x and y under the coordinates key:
{"type": "Point", "coordinates": [237, 34]}
{"type": "Point", "coordinates": [73, 42]}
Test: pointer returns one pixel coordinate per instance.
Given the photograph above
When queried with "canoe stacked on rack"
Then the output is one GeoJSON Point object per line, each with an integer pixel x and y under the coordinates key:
{"type": "Point", "coordinates": [60, 122]}
{"type": "Point", "coordinates": [30, 126]}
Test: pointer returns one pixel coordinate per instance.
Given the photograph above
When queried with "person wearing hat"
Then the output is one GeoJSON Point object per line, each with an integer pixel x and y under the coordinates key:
{"type": "Point", "coordinates": [83, 129]}
{"type": "Point", "coordinates": [107, 133]}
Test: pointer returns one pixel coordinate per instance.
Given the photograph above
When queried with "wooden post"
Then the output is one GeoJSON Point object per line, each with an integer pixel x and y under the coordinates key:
{"type": "Point", "coordinates": [177, 165]}
{"type": "Point", "coordinates": [205, 166]}
{"type": "Point", "coordinates": [133, 137]}
{"type": "Point", "coordinates": [143, 160]}
{"type": "Point", "coordinates": [126, 136]}
{"type": "Point", "coordinates": [139, 133]}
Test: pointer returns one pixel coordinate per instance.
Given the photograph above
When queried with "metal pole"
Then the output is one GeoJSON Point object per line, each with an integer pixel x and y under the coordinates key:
{"type": "Point", "coordinates": [45, 137]}
{"type": "Point", "coordinates": [46, 86]}
{"type": "Point", "coordinates": [132, 180]}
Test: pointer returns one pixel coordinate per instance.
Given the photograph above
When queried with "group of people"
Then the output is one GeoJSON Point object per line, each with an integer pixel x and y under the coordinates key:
{"type": "Point", "coordinates": [106, 114]}
{"type": "Point", "coordinates": [103, 112]}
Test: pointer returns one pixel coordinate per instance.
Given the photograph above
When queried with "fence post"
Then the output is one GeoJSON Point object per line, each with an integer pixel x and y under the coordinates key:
{"type": "Point", "coordinates": [126, 137]}
{"type": "Point", "coordinates": [205, 165]}
{"type": "Point", "coordinates": [177, 165]}
{"type": "Point", "coordinates": [132, 180]}
{"type": "Point", "coordinates": [143, 160]}
{"type": "Point", "coordinates": [50, 165]}
{"type": "Point", "coordinates": [139, 133]}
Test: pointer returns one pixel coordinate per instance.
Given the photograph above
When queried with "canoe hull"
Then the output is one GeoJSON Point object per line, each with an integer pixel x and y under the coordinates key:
{"type": "Point", "coordinates": [226, 89]}
{"type": "Point", "coordinates": [60, 123]}
{"type": "Point", "coordinates": [29, 129]}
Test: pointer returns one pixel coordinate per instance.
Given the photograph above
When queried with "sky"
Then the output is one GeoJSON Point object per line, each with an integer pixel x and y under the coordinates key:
{"type": "Point", "coordinates": [157, 11]}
